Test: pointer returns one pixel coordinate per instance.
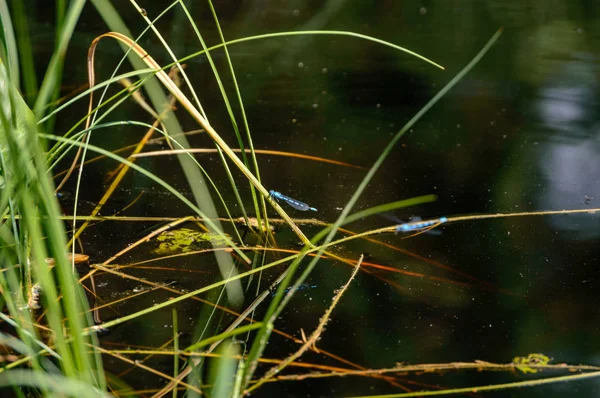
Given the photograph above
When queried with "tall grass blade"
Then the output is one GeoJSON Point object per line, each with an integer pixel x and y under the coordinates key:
{"type": "Point", "coordinates": [223, 369]}
{"type": "Point", "coordinates": [40, 235]}
{"type": "Point", "coordinates": [8, 45]}
{"type": "Point", "coordinates": [53, 76]}
{"type": "Point", "coordinates": [56, 385]}
{"type": "Point", "coordinates": [29, 81]}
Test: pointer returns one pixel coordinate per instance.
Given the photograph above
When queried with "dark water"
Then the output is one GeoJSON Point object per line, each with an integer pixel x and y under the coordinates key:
{"type": "Point", "coordinates": [519, 133]}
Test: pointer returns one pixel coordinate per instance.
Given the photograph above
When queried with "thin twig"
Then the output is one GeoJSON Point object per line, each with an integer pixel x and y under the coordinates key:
{"type": "Point", "coordinates": [310, 342]}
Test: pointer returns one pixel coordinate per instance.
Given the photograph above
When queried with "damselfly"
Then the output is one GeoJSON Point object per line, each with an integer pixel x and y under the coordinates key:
{"type": "Point", "coordinates": [296, 204]}
{"type": "Point", "coordinates": [415, 226]}
{"type": "Point", "coordinates": [411, 220]}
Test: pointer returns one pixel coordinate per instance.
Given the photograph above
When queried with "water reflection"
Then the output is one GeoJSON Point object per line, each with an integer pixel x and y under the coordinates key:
{"type": "Point", "coordinates": [569, 156]}
{"type": "Point", "coordinates": [572, 175]}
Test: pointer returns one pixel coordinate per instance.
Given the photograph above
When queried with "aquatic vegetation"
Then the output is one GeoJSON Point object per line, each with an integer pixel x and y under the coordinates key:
{"type": "Point", "coordinates": [184, 240]}
{"type": "Point", "coordinates": [522, 363]}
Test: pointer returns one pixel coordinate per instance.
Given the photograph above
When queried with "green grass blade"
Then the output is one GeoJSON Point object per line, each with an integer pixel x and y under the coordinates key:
{"type": "Point", "coordinates": [29, 77]}
{"type": "Point", "coordinates": [316, 33]}
{"type": "Point", "coordinates": [55, 383]}
{"type": "Point", "coordinates": [52, 78]}
{"type": "Point", "coordinates": [223, 336]}
{"type": "Point", "coordinates": [223, 369]}
{"type": "Point", "coordinates": [24, 164]}
{"type": "Point", "coordinates": [9, 54]}
{"type": "Point", "coordinates": [198, 103]}
{"type": "Point", "coordinates": [259, 202]}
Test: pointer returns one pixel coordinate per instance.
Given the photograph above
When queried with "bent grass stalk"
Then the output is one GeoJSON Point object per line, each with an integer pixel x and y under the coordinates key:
{"type": "Point", "coordinates": [23, 161]}
{"type": "Point", "coordinates": [177, 93]}
{"type": "Point", "coordinates": [200, 191]}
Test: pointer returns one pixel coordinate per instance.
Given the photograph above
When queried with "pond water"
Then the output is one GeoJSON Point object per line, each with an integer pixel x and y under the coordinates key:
{"type": "Point", "coordinates": [520, 133]}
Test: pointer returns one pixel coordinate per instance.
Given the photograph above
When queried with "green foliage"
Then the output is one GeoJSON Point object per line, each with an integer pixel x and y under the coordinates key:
{"type": "Point", "coordinates": [17, 120]}
{"type": "Point", "coordinates": [184, 240]}
{"type": "Point", "coordinates": [523, 363]}
{"type": "Point", "coordinates": [32, 232]}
